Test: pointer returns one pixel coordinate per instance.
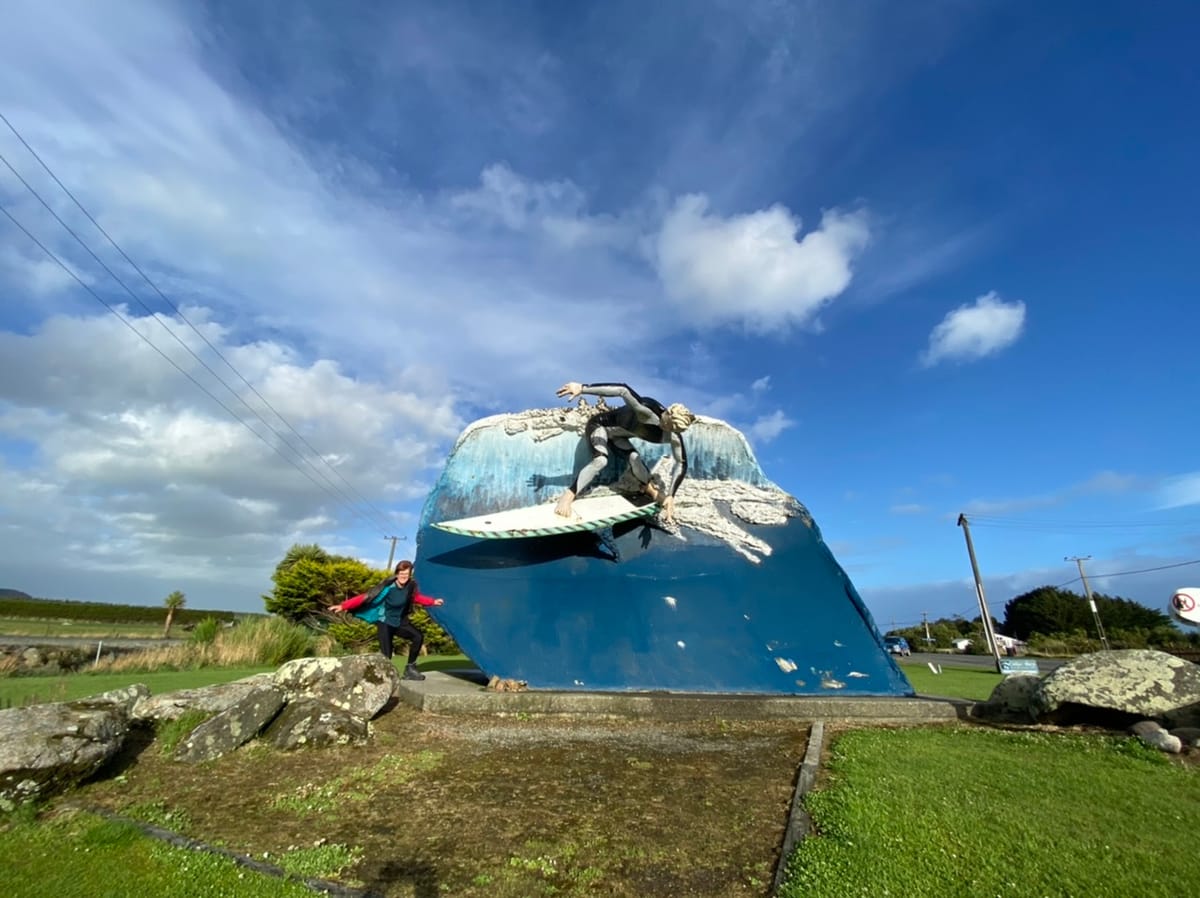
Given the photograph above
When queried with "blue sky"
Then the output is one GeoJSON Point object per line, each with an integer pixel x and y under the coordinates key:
{"type": "Point", "coordinates": [931, 257]}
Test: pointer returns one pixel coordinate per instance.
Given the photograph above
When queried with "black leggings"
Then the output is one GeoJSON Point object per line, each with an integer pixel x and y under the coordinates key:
{"type": "Point", "coordinates": [405, 630]}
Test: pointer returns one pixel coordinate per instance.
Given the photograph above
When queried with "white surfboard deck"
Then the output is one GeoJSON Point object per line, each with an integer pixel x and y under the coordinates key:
{"type": "Point", "coordinates": [588, 513]}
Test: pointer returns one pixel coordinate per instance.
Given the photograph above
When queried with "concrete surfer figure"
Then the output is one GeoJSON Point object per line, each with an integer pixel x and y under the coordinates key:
{"type": "Point", "coordinates": [610, 431]}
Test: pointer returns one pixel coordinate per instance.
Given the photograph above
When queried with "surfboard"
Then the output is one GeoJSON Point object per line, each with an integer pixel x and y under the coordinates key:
{"type": "Point", "coordinates": [588, 513]}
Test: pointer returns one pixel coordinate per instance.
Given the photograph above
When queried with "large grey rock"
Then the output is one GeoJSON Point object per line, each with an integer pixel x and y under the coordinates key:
{"type": "Point", "coordinates": [209, 699]}
{"type": "Point", "coordinates": [1012, 699]}
{"type": "Point", "coordinates": [360, 684]}
{"type": "Point", "coordinates": [233, 727]}
{"type": "Point", "coordinates": [1187, 716]}
{"type": "Point", "coordinates": [47, 749]}
{"type": "Point", "coordinates": [1189, 737]}
{"type": "Point", "coordinates": [125, 698]}
{"type": "Point", "coordinates": [308, 722]}
{"type": "Point", "coordinates": [1138, 682]}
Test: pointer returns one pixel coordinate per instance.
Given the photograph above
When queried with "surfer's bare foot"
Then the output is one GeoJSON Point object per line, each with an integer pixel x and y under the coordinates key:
{"type": "Point", "coordinates": [563, 507]}
{"type": "Point", "coordinates": [668, 509]}
{"type": "Point", "coordinates": [651, 490]}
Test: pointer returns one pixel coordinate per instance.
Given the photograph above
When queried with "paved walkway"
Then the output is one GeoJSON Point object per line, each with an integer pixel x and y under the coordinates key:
{"type": "Point", "coordinates": [465, 692]}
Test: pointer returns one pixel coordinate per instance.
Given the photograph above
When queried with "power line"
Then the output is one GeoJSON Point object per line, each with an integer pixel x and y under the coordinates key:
{"type": "Point", "coordinates": [178, 312]}
{"type": "Point", "coordinates": [343, 497]}
{"type": "Point", "coordinates": [1145, 570]}
{"type": "Point", "coordinates": [1051, 526]}
{"type": "Point", "coordinates": [381, 521]}
{"type": "Point", "coordinates": [171, 361]}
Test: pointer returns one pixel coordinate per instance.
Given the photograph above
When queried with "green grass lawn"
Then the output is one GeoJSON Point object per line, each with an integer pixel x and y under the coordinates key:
{"type": "Point", "coordinates": [84, 629]}
{"type": "Point", "coordinates": [952, 682]}
{"type": "Point", "coordinates": [84, 856]}
{"type": "Point", "coordinates": [18, 691]}
{"type": "Point", "coordinates": [926, 813]}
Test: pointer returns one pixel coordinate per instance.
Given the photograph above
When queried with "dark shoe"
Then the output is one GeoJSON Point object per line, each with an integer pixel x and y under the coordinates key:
{"type": "Point", "coordinates": [411, 673]}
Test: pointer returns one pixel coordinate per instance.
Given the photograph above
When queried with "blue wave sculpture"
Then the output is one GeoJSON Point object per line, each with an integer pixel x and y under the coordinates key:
{"type": "Point", "coordinates": [741, 595]}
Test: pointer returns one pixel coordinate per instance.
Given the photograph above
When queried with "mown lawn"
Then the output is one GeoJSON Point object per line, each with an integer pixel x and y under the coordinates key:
{"type": "Point", "coordinates": [967, 810]}
{"type": "Point", "coordinates": [80, 855]}
{"type": "Point", "coordinates": [18, 691]}
{"type": "Point", "coordinates": [952, 682]}
{"type": "Point", "coordinates": [84, 629]}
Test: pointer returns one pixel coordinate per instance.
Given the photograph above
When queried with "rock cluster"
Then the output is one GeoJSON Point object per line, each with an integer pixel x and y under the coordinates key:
{"type": "Point", "coordinates": [46, 749]}
{"type": "Point", "coordinates": [1156, 696]}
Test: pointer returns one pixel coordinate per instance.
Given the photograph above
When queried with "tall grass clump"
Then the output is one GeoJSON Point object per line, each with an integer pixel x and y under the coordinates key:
{"type": "Point", "coordinates": [269, 641]}
{"type": "Point", "coordinates": [206, 631]}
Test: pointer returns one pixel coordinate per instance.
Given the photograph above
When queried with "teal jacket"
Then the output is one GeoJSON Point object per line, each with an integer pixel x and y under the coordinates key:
{"type": "Point", "coordinates": [387, 602]}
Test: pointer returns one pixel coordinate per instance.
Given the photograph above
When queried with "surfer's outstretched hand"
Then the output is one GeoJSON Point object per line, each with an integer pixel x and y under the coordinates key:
{"type": "Point", "coordinates": [569, 390]}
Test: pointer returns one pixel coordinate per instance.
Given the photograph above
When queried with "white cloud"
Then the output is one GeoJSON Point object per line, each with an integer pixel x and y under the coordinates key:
{"type": "Point", "coordinates": [761, 385]}
{"type": "Point", "coordinates": [556, 209]}
{"type": "Point", "coordinates": [974, 331]}
{"type": "Point", "coordinates": [1177, 492]}
{"type": "Point", "coordinates": [1105, 483]}
{"type": "Point", "coordinates": [751, 268]}
{"type": "Point", "coordinates": [159, 477]}
{"type": "Point", "coordinates": [37, 276]}
{"type": "Point", "coordinates": [768, 427]}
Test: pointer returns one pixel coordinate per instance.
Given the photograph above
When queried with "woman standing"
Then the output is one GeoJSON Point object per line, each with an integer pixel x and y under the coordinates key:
{"type": "Point", "coordinates": [390, 605]}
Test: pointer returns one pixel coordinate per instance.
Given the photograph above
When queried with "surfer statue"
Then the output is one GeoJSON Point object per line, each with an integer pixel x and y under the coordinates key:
{"type": "Point", "coordinates": [610, 430]}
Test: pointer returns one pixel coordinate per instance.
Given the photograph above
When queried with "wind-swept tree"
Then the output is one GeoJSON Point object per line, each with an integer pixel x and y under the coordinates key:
{"type": "Point", "coordinates": [173, 602]}
{"type": "Point", "coordinates": [309, 579]}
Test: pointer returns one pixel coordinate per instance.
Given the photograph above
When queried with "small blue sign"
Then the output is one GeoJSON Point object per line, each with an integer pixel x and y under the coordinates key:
{"type": "Point", "coordinates": [1018, 665]}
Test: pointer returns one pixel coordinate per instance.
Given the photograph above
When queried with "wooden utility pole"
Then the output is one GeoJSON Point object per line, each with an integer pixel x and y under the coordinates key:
{"type": "Point", "coordinates": [392, 552]}
{"type": "Point", "coordinates": [1079, 560]}
{"type": "Point", "coordinates": [985, 615]}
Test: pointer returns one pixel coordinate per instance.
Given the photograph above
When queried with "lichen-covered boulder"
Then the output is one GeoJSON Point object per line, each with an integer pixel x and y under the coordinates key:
{"type": "Point", "coordinates": [1139, 682]}
{"type": "Point", "coordinates": [233, 727]}
{"type": "Point", "coordinates": [47, 749]}
{"type": "Point", "coordinates": [209, 699]}
{"type": "Point", "coordinates": [360, 684]}
{"type": "Point", "coordinates": [310, 723]}
{"type": "Point", "coordinates": [1011, 700]}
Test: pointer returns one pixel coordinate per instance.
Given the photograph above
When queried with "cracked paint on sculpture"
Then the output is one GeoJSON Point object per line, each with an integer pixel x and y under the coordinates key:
{"type": "Point", "coordinates": [739, 594]}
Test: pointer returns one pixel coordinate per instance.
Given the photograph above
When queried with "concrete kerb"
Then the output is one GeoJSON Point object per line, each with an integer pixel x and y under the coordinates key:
{"type": "Point", "coordinates": [443, 692]}
{"type": "Point", "coordinates": [799, 825]}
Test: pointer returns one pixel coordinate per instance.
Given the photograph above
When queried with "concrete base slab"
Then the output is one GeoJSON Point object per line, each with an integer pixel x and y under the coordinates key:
{"type": "Point", "coordinates": [464, 692]}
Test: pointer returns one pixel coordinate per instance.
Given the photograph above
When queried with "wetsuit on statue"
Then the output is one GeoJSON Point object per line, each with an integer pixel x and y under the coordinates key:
{"type": "Point", "coordinates": [641, 417]}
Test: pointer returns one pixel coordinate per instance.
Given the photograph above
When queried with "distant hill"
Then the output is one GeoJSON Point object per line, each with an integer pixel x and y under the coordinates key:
{"type": "Point", "coordinates": [13, 594]}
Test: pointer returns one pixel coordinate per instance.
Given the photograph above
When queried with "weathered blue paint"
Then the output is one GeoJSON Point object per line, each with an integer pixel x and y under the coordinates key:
{"type": "Point", "coordinates": [634, 608]}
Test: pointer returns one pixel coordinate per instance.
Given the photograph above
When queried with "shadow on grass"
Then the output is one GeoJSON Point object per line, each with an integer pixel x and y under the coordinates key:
{"type": "Point", "coordinates": [381, 877]}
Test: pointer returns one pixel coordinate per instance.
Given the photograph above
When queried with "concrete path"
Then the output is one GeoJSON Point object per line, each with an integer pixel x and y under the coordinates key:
{"type": "Point", "coordinates": [465, 692]}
